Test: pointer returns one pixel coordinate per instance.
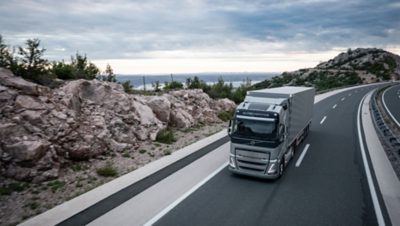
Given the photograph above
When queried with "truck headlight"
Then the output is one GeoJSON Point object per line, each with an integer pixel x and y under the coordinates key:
{"type": "Point", "coordinates": [272, 168]}
{"type": "Point", "coordinates": [232, 162]}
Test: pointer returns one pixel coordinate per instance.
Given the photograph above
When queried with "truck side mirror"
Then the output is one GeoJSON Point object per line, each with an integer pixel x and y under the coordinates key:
{"type": "Point", "coordinates": [230, 127]}
{"type": "Point", "coordinates": [284, 106]}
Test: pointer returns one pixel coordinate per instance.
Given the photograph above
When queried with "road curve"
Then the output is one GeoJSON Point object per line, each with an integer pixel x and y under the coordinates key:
{"type": "Point", "coordinates": [391, 100]}
{"type": "Point", "coordinates": [329, 186]}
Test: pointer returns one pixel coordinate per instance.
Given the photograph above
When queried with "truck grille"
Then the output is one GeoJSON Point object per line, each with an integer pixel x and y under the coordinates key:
{"type": "Point", "coordinates": [252, 160]}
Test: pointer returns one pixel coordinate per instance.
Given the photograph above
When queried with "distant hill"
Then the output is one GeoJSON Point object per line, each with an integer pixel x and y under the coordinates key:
{"type": "Point", "coordinates": [359, 66]}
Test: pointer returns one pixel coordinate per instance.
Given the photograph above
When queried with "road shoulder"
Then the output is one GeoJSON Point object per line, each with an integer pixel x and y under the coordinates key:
{"type": "Point", "coordinates": [388, 182]}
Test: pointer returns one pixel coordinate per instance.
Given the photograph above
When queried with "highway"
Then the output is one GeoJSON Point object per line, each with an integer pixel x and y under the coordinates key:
{"type": "Point", "coordinates": [325, 184]}
{"type": "Point", "coordinates": [328, 187]}
{"type": "Point", "coordinates": [391, 100]}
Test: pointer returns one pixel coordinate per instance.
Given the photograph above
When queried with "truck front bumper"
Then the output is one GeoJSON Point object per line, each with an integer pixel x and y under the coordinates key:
{"type": "Point", "coordinates": [271, 171]}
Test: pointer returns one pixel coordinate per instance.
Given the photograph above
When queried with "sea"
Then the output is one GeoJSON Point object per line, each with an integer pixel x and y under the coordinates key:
{"type": "Point", "coordinates": [141, 81]}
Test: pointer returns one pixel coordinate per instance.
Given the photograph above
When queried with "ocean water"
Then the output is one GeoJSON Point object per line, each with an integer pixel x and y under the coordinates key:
{"type": "Point", "coordinates": [210, 78]}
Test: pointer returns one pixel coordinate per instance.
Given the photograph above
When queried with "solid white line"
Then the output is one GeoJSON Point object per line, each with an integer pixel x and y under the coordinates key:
{"type": "Point", "coordinates": [387, 109]}
{"type": "Point", "coordinates": [343, 98]}
{"type": "Point", "coordinates": [302, 155]}
{"type": "Point", "coordinates": [334, 106]}
{"type": "Point", "coordinates": [377, 207]}
{"type": "Point", "coordinates": [184, 196]}
{"type": "Point", "coordinates": [323, 119]}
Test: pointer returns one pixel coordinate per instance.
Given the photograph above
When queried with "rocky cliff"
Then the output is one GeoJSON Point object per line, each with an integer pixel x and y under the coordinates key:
{"type": "Point", "coordinates": [43, 130]}
{"type": "Point", "coordinates": [362, 65]}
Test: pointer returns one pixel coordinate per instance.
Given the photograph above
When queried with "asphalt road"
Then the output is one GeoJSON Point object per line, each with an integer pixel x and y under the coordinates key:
{"type": "Point", "coordinates": [328, 188]}
{"type": "Point", "coordinates": [392, 101]}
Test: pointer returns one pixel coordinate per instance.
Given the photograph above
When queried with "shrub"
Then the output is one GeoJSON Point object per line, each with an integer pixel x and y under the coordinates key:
{"type": "Point", "coordinates": [173, 85]}
{"type": "Point", "coordinates": [165, 136]}
{"type": "Point", "coordinates": [107, 171]}
{"type": "Point", "coordinates": [225, 115]}
{"type": "Point", "coordinates": [142, 151]}
{"type": "Point", "coordinates": [55, 185]}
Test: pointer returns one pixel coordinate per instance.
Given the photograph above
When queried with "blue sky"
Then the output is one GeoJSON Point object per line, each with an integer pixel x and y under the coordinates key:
{"type": "Point", "coordinates": [156, 36]}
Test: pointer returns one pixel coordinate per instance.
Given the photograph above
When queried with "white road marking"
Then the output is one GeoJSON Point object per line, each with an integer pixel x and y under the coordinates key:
{"type": "Point", "coordinates": [302, 155]}
{"type": "Point", "coordinates": [323, 119]}
{"type": "Point", "coordinates": [184, 196]}
{"type": "Point", "coordinates": [334, 106]}
{"type": "Point", "coordinates": [343, 98]}
{"type": "Point", "coordinates": [377, 207]}
{"type": "Point", "coordinates": [387, 109]}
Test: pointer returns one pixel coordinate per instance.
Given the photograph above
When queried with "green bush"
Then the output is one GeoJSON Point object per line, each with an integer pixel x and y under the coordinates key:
{"type": "Point", "coordinates": [225, 115]}
{"type": "Point", "coordinates": [173, 85]}
{"type": "Point", "coordinates": [165, 136]}
{"type": "Point", "coordinates": [107, 171]}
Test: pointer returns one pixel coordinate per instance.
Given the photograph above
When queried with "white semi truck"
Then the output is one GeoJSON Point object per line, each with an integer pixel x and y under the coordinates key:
{"type": "Point", "coordinates": [266, 129]}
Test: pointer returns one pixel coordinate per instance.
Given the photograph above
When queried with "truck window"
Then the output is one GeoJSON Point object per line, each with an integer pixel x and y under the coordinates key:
{"type": "Point", "coordinates": [255, 129]}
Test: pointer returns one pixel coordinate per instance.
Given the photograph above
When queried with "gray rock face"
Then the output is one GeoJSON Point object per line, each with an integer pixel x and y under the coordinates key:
{"type": "Point", "coordinates": [42, 130]}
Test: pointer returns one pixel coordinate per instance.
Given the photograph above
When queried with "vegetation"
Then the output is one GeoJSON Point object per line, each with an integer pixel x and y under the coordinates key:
{"type": "Point", "coordinates": [55, 185]}
{"type": "Point", "coordinates": [165, 136]}
{"type": "Point", "coordinates": [173, 85]}
{"type": "Point", "coordinates": [13, 187]}
{"type": "Point", "coordinates": [107, 171]}
{"type": "Point", "coordinates": [29, 63]}
{"type": "Point", "coordinates": [225, 116]}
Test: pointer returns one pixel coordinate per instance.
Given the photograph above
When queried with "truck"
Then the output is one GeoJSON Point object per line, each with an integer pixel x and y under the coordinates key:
{"type": "Point", "coordinates": [267, 127]}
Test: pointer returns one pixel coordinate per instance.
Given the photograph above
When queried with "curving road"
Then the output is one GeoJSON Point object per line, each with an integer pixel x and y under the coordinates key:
{"type": "Point", "coordinates": [328, 188]}
{"type": "Point", "coordinates": [327, 185]}
{"type": "Point", "coordinates": [391, 100]}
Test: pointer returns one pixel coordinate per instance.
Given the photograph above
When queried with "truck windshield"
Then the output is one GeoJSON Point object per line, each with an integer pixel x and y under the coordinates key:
{"type": "Point", "coordinates": [263, 130]}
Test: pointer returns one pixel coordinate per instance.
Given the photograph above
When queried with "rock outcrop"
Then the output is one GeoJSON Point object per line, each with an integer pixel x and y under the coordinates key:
{"type": "Point", "coordinates": [42, 130]}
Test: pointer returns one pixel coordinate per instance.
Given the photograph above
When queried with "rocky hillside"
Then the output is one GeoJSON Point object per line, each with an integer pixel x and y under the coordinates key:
{"type": "Point", "coordinates": [348, 68]}
{"type": "Point", "coordinates": [43, 130]}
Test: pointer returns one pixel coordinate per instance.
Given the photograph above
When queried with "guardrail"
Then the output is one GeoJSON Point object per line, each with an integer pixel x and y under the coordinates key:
{"type": "Point", "coordinates": [390, 141]}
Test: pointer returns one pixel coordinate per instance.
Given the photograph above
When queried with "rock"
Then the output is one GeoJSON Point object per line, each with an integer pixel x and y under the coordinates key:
{"type": "Point", "coordinates": [161, 107]}
{"type": "Point", "coordinates": [181, 118]}
{"type": "Point", "coordinates": [42, 130]}
{"type": "Point", "coordinates": [116, 146]}
{"type": "Point", "coordinates": [24, 102]}
{"type": "Point", "coordinates": [34, 117]}
{"type": "Point", "coordinates": [27, 150]}
{"type": "Point", "coordinates": [9, 80]}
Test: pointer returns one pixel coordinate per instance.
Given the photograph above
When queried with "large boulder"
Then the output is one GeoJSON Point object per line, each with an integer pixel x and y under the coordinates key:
{"type": "Point", "coordinates": [161, 106]}
{"type": "Point", "coordinates": [27, 151]}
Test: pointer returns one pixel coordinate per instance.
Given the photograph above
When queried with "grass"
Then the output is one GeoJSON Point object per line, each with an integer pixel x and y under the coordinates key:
{"type": "Point", "coordinates": [55, 185]}
{"type": "Point", "coordinates": [76, 167]}
{"type": "Point", "coordinates": [167, 152]}
{"type": "Point", "coordinates": [107, 171]}
{"type": "Point", "coordinates": [126, 155]}
{"type": "Point", "coordinates": [33, 205]}
{"type": "Point", "coordinates": [165, 136]}
{"type": "Point", "coordinates": [142, 151]}
{"type": "Point", "coordinates": [13, 187]}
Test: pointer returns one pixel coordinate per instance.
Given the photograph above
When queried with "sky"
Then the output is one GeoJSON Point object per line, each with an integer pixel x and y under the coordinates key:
{"type": "Point", "coordinates": [189, 36]}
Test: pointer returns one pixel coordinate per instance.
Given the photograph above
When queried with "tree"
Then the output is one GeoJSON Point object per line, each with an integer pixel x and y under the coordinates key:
{"type": "Point", "coordinates": [109, 74]}
{"type": "Point", "coordinates": [83, 68]}
{"type": "Point", "coordinates": [32, 62]}
{"type": "Point", "coordinates": [63, 71]}
{"type": "Point", "coordinates": [156, 86]}
{"type": "Point", "coordinates": [4, 54]}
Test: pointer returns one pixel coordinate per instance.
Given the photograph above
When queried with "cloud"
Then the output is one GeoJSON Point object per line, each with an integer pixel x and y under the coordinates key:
{"type": "Point", "coordinates": [215, 28]}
